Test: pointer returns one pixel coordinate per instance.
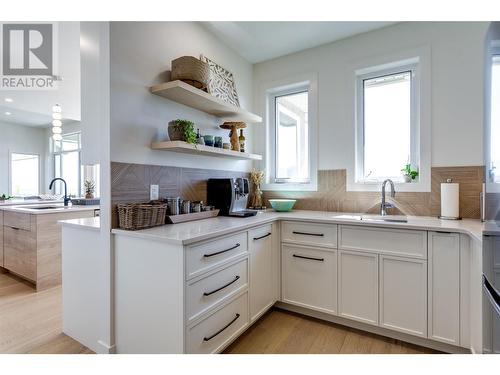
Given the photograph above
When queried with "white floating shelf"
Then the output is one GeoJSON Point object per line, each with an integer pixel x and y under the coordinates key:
{"type": "Point", "coordinates": [187, 148]}
{"type": "Point", "coordinates": [183, 93]}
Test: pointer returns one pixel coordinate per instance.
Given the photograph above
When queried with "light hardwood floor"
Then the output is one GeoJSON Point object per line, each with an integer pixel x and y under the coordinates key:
{"type": "Point", "coordinates": [31, 322]}
{"type": "Point", "coordinates": [282, 332]}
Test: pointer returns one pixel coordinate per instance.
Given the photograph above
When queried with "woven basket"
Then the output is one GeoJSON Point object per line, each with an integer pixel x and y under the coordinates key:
{"type": "Point", "coordinates": [133, 216]}
{"type": "Point", "coordinates": [191, 70]}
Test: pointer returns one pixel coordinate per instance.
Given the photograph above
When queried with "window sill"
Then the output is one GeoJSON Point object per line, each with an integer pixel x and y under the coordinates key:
{"type": "Point", "coordinates": [312, 186]}
{"type": "Point", "coordinates": [400, 186]}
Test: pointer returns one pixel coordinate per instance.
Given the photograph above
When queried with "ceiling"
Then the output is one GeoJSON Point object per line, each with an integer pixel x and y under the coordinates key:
{"type": "Point", "coordinates": [260, 41]}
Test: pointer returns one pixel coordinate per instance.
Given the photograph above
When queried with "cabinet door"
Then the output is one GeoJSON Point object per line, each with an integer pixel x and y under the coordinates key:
{"type": "Point", "coordinates": [403, 295]}
{"type": "Point", "coordinates": [20, 252]}
{"type": "Point", "coordinates": [261, 272]}
{"type": "Point", "coordinates": [1, 238]}
{"type": "Point", "coordinates": [444, 287]}
{"type": "Point", "coordinates": [309, 277]}
{"type": "Point", "coordinates": [358, 286]}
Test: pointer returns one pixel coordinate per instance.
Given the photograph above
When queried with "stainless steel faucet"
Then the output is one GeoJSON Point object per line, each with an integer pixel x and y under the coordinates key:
{"type": "Point", "coordinates": [384, 205]}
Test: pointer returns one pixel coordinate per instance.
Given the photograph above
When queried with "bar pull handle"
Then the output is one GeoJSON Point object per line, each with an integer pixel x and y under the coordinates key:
{"type": "Point", "coordinates": [261, 237]}
{"type": "Point", "coordinates": [309, 234]}
{"type": "Point", "coordinates": [222, 251]}
{"type": "Point", "coordinates": [310, 258]}
{"type": "Point", "coordinates": [222, 329]}
{"type": "Point", "coordinates": [222, 287]}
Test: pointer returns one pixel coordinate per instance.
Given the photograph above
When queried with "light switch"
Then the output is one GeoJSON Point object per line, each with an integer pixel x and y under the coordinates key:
{"type": "Point", "coordinates": [154, 192]}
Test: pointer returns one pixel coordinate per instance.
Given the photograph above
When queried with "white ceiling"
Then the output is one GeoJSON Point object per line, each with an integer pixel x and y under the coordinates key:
{"type": "Point", "coordinates": [260, 41]}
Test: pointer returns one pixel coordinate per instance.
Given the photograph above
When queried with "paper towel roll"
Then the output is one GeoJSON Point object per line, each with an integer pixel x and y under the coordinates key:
{"type": "Point", "coordinates": [449, 200]}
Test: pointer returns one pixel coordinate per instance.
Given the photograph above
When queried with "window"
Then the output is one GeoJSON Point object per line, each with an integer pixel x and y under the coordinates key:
{"type": "Point", "coordinates": [387, 126]}
{"type": "Point", "coordinates": [67, 164]}
{"type": "Point", "coordinates": [290, 157]}
{"type": "Point", "coordinates": [494, 135]}
{"type": "Point", "coordinates": [24, 174]}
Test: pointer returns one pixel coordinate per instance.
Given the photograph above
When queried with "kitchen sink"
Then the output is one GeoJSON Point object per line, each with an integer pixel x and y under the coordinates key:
{"type": "Point", "coordinates": [387, 218]}
{"type": "Point", "coordinates": [45, 207]}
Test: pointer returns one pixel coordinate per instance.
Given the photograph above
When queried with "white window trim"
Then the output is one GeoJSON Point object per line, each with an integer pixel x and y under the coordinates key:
{"type": "Point", "coordinates": [268, 90]}
{"type": "Point", "coordinates": [421, 57]}
{"type": "Point", "coordinates": [493, 50]}
{"type": "Point", "coordinates": [39, 169]}
{"type": "Point", "coordinates": [60, 152]}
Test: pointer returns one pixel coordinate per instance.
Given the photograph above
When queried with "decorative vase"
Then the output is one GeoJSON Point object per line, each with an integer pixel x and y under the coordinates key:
{"type": "Point", "coordinates": [407, 178]}
{"type": "Point", "coordinates": [256, 197]}
{"type": "Point", "coordinates": [89, 196]}
{"type": "Point", "coordinates": [174, 133]}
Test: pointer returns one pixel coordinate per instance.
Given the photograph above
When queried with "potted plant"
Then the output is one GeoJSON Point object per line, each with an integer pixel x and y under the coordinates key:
{"type": "Point", "coordinates": [182, 130]}
{"type": "Point", "coordinates": [89, 189]}
{"type": "Point", "coordinates": [409, 174]}
{"type": "Point", "coordinates": [4, 197]}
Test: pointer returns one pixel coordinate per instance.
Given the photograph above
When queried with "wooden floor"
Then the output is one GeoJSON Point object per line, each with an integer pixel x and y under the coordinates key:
{"type": "Point", "coordinates": [31, 322]}
{"type": "Point", "coordinates": [282, 332]}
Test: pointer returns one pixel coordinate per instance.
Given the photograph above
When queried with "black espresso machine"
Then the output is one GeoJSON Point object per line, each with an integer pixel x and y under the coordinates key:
{"type": "Point", "coordinates": [230, 196]}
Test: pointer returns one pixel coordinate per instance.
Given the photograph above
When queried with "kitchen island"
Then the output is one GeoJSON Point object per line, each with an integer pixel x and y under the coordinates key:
{"type": "Point", "coordinates": [30, 240]}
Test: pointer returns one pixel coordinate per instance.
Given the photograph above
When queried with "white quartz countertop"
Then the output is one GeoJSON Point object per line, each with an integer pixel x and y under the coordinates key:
{"type": "Point", "coordinates": [58, 208]}
{"type": "Point", "coordinates": [20, 202]}
{"type": "Point", "coordinates": [194, 231]}
{"type": "Point", "coordinates": [92, 223]}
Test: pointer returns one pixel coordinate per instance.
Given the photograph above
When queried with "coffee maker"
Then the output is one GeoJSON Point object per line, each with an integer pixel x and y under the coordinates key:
{"type": "Point", "coordinates": [230, 196]}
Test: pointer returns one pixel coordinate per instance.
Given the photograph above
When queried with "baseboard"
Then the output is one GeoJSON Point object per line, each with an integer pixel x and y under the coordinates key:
{"type": "Point", "coordinates": [373, 329]}
{"type": "Point", "coordinates": [106, 349]}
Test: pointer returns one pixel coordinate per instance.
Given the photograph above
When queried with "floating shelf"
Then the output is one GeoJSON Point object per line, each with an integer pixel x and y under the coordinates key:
{"type": "Point", "coordinates": [187, 148]}
{"type": "Point", "coordinates": [183, 93]}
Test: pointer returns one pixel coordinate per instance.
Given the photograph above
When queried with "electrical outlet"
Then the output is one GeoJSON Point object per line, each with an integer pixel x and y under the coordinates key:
{"type": "Point", "coordinates": [154, 192]}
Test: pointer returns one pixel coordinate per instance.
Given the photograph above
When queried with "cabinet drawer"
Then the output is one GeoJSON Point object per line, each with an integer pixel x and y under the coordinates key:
{"type": "Point", "coordinates": [17, 220]}
{"type": "Point", "coordinates": [20, 252]}
{"type": "Point", "coordinates": [219, 329]}
{"type": "Point", "coordinates": [203, 294]}
{"type": "Point", "coordinates": [202, 258]}
{"type": "Point", "coordinates": [310, 277]}
{"type": "Point", "coordinates": [400, 242]}
{"type": "Point", "coordinates": [309, 233]}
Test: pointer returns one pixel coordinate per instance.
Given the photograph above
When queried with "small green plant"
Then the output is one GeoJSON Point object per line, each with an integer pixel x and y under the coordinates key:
{"type": "Point", "coordinates": [89, 188]}
{"type": "Point", "coordinates": [4, 197]}
{"type": "Point", "coordinates": [186, 127]}
{"type": "Point", "coordinates": [408, 171]}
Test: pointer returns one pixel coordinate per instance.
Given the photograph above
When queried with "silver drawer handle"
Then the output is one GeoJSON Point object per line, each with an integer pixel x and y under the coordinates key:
{"type": "Point", "coordinates": [309, 234]}
{"type": "Point", "coordinates": [222, 287]}
{"type": "Point", "coordinates": [222, 251]}
{"type": "Point", "coordinates": [261, 237]}
{"type": "Point", "coordinates": [310, 258]}
{"type": "Point", "coordinates": [222, 329]}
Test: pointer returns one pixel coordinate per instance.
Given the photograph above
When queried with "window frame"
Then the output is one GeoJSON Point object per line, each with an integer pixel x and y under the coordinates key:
{"type": "Point", "coordinates": [492, 186]}
{"type": "Point", "coordinates": [411, 68]}
{"type": "Point", "coordinates": [303, 83]}
{"type": "Point", "coordinates": [422, 57]}
{"type": "Point", "coordinates": [39, 169]}
{"type": "Point", "coordinates": [54, 153]}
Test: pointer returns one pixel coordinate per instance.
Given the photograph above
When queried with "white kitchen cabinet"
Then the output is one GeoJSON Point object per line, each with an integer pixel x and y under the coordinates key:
{"type": "Point", "coordinates": [358, 286]}
{"type": "Point", "coordinates": [403, 295]}
{"type": "Point", "coordinates": [444, 287]}
{"type": "Point", "coordinates": [260, 245]}
{"type": "Point", "coordinates": [309, 277]}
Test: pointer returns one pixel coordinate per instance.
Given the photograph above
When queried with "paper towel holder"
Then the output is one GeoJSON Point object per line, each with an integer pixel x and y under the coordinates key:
{"type": "Point", "coordinates": [449, 180]}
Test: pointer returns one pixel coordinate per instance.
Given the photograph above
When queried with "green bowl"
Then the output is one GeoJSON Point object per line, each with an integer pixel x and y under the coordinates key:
{"type": "Point", "coordinates": [282, 205]}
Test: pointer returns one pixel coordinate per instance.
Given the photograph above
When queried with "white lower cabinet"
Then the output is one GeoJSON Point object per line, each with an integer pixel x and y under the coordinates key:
{"type": "Point", "coordinates": [358, 286]}
{"type": "Point", "coordinates": [260, 246]}
{"type": "Point", "coordinates": [213, 333]}
{"type": "Point", "coordinates": [444, 287]}
{"type": "Point", "coordinates": [403, 294]}
{"type": "Point", "coordinates": [309, 277]}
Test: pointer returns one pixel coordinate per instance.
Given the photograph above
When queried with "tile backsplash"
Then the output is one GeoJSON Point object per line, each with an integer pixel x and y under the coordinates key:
{"type": "Point", "coordinates": [332, 194]}
{"type": "Point", "coordinates": [131, 182]}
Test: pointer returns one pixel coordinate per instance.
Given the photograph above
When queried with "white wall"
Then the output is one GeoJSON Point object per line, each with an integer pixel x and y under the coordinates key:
{"type": "Point", "coordinates": [140, 55]}
{"type": "Point", "coordinates": [456, 87]}
{"type": "Point", "coordinates": [22, 139]}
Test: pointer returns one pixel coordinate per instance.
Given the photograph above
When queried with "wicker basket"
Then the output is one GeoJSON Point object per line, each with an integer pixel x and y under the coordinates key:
{"type": "Point", "coordinates": [134, 216]}
{"type": "Point", "coordinates": [191, 70]}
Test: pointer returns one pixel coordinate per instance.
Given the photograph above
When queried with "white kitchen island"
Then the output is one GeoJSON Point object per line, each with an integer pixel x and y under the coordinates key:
{"type": "Point", "coordinates": [195, 287]}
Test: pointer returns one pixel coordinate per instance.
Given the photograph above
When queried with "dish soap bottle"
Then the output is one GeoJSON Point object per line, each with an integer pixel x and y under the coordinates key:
{"type": "Point", "coordinates": [242, 141]}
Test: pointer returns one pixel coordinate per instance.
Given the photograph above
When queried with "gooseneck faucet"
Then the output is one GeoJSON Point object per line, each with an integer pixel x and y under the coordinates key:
{"type": "Point", "coordinates": [66, 198]}
{"type": "Point", "coordinates": [384, 205]}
